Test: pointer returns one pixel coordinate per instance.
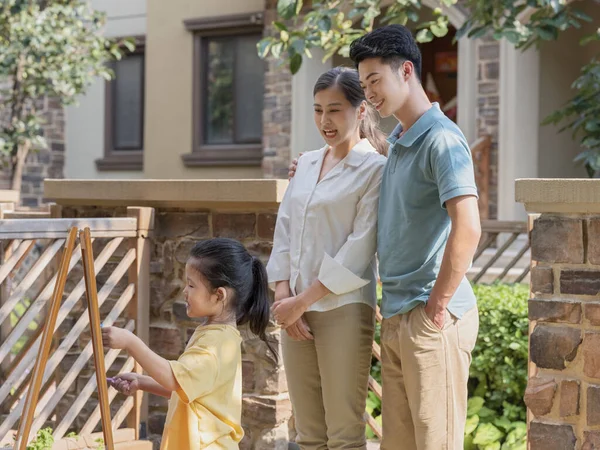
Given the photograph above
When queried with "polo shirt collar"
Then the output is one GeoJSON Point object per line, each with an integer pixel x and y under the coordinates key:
{"type": "Point", "coordinates": [420, 127]}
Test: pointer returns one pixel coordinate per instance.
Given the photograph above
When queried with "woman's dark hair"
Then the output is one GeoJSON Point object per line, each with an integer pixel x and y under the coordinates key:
{"type": "Point", "coordinates": [394, 44]}
{"type": "Point", "coordinates": [226, 263]}
{"type": "Point", "coordinates": [347, 81]}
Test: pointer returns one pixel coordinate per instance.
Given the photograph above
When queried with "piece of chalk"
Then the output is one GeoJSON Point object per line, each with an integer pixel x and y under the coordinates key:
{"type": "Point", "coordinates": [110, 380]}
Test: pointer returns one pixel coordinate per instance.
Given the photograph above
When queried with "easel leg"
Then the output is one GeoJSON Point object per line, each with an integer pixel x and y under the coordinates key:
{"type": "Point", "coordinates": [94, 312]}
{"type": "Point", "coordinates": [42, 357]}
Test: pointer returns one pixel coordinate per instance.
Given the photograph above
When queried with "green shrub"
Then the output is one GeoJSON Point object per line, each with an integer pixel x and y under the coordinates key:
{"type": "Point", "coordinates": [499, 367]}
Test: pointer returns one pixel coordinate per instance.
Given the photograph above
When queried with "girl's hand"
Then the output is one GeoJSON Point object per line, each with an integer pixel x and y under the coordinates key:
{"type": "Point", "coordinates": [113, 337]}
{"type": "Point", "coordinates": [288, 311]}
{"type": "Point", "coordinates": [126, 383]}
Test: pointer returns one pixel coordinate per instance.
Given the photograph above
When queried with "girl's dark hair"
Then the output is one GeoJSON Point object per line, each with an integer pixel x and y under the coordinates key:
{"type": "Point", "coordinates": [347, 81]}
{"type": "Point", "coordinates": [226, 263]}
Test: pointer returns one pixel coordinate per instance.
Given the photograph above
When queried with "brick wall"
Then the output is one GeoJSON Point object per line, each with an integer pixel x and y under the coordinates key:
{"type": "Point", "coordinates": [563, 393]}
{"type": "Point", "coordinates": [266, 406]}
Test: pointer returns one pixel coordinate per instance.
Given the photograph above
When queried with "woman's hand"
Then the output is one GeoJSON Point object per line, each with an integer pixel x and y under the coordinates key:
{"type": "Point", "coordinates": [288, 310]}
{"type": "Point", "coordinates": [299, 331]}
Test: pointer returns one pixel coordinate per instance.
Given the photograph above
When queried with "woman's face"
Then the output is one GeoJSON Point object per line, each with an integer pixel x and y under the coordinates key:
{"type": "Point", "coordinates": [335, 117]}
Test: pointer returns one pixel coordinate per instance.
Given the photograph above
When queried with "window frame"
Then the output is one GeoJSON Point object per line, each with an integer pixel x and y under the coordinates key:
{"type": "Point", "coordinates": [130, 159]}
{"type": "Point", "coordinates": [235, 154]}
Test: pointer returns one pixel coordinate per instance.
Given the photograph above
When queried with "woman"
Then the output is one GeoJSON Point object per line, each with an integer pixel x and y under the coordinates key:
{"type": "Point", "coordinates": [323, 267]}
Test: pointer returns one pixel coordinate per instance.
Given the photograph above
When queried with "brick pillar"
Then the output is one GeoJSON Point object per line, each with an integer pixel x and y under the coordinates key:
{"type": "Point", "coordinates": [277, 111]}
{"type": "Point", "coordinates": [563, 391]}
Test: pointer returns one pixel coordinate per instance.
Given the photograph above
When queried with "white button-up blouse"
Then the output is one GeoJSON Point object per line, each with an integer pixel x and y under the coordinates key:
{"type": "Point", "coordinates": [327, 230]}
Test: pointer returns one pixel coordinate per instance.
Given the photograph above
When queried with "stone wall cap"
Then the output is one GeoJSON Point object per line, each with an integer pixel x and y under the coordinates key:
{"type": "Point", "coordinates": [230, 193]}
{"type": "Point", "coordinates": [9, 196]}
{"type": "Point", "coordinates": [559, 195]}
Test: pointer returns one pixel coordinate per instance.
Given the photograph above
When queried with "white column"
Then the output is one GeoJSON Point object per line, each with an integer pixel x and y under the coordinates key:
{"type": "Point", "coordinates": [304, 135]}
{"type": "Point", "coordinates": [518, 125]}
{"type": "Point", "coordinates": [467, 88]}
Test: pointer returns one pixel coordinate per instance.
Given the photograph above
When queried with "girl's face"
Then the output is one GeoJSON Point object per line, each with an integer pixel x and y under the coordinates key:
{"type": "Point", "coordinates": [200, 299]}
{"type": "Point", "coordinates": [335, 117]}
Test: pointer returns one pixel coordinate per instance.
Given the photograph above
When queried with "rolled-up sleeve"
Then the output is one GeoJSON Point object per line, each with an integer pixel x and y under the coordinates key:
{"type": "Point", "coordinates": [278, 267]}
{"type": "Point", "coordinates": [342, 273]}
{"type": "Point", "coordinates": [196, 372]}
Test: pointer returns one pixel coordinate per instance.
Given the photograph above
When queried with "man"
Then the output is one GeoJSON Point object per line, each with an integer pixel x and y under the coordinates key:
{"type": "Point", "coordinates": [428, 231]}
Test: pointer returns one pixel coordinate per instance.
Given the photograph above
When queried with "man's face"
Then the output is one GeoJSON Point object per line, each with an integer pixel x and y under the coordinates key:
{"type": "Point", "coordinates": [385, 88]}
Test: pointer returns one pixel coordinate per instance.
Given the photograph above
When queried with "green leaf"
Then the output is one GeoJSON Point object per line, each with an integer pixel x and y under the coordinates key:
{"type": "Point", "coordinates": [439, 30]}
{"type": "Point", "coordinates": [471, 424]}
{"type": "Point", "coordinates": [580, 15]}
{"type": "Point", "coordinates": [324, 24]}
{"type": "Point", "coordinates": [548, 33]}
{"type": "Point", "coordinates": [295, 63]}
{"type": "Point", "coordinates": [276, 50]}
{"type": "Point", "coordinates": [474, 405]}
{"type": "Point", "coordinates": [263, 46]}
{"type": "Point", "coordinates": [297, 45]}
{"type": "Point", "coordinates": [487, 434]}
{"type": "Point", "coordinates": [424, 36]}
{"type": "Point", "coordinates": [514, 37]}
{"type": "Point", "coordinates": [478, 32]}
{"type": "Point", "coordinates": [591, 38]}
{"type": "Point", "coordinates": [286, 9]}
{"type": "Point", "coordinates": [469, 443]}
{"type": "Point", "coordinates": [280, 26]}
{"type": "Point", "coordinates": [356, 12]}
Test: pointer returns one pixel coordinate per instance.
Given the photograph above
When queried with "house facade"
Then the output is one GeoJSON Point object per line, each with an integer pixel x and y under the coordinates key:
{"type": "Point", "coordinates": [194, 100]}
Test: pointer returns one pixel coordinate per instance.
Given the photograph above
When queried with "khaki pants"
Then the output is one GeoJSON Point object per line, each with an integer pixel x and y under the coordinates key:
{"type": "Point", "coordinates": [328, 377]}
{"type": "Point", "coordinates": [425, 372]}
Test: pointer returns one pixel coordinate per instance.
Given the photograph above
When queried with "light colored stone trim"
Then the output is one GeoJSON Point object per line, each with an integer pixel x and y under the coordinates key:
{"type": "Point", "coordinates": [554, 195]}
{"type": "Point", "coordinates": [210, 194]}
{"type": "Point", "coordinates": [8, 196]}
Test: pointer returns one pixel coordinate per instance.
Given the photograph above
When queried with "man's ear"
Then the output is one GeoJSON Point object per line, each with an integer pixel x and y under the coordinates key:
{"type": "Point", "coordinates": [406, 70]}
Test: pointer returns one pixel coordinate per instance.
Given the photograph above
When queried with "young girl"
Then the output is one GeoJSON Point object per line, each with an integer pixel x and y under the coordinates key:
{"type": "Point", "coordinates": [229, 287]}
{"type": "Point", "coordinates": [323, 267]}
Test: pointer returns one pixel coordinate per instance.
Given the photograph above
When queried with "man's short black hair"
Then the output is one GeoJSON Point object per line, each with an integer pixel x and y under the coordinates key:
{"type": "Point", "coordinates": [394, 44]}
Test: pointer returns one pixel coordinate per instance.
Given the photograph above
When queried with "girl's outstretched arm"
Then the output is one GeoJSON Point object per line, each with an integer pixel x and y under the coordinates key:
{"type": "Point", "coordinates": [130, 383]}
{"type": "Point", "coordinates": [156, 366]}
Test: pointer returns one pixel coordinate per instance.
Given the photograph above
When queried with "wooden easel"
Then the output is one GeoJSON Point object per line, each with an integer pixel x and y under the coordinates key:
{"type": "Point", "coordinates": [49, 325]}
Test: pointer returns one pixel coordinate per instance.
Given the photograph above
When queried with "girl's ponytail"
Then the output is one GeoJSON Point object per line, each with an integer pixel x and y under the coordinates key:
{"type": "Point", "coordinates": [256, 309]}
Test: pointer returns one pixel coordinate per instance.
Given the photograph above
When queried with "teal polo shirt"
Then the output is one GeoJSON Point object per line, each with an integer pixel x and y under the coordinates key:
{"type": "Point", "coordinates": [427, 166]}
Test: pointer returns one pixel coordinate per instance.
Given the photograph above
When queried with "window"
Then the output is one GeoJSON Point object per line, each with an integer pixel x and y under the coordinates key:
{"type": "Point", "coordinates": [124, 114]}
{"type": "Point", "coordinates": [228, 92]}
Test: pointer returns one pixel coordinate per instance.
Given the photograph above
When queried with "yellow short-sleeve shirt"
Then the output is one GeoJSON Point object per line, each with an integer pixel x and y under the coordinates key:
{"type": "Point", "coordinates": [206, 412]}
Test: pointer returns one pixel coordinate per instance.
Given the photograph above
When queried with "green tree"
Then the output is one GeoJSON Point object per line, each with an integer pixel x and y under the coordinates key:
{"type": "Point", "coordinates": [48, 48]}
{"type": "Point", "coordinates": [333, 24]}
